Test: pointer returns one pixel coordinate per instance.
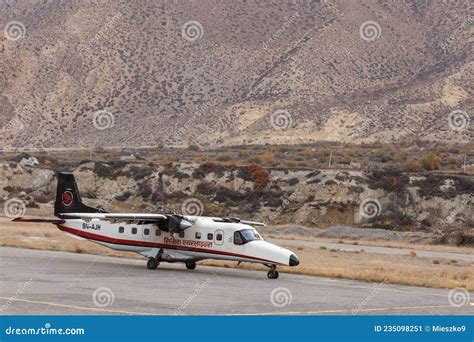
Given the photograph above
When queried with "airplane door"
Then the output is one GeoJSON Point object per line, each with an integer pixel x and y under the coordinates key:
{"type": "Point", "coordinates": [219, 237]}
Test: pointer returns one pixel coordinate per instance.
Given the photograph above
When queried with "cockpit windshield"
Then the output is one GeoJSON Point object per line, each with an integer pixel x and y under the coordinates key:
{"type": "Point", "coordinates": [246, 235]}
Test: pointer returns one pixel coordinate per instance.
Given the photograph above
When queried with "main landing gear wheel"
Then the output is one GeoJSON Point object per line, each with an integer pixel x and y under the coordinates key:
{"type": "Point", "coordinates": [190, 265]}
{"type": "Point", "coordinates": [273, 274]}
{"type": "Point", "coordinates": [152, 264]}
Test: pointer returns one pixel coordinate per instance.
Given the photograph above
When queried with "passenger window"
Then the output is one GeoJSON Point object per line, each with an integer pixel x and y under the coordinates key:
{"type": "Point", "coordinates": [134, 230]}
{"type": "Point", "coordinates": [158, 232]}
{"type": "Point", "coordinates": [146, 231]}
{"type": "Point", "coordinates": [121, 230]}
{"type": "Point", "coordinates": [238, 238]}
{"type": "Point", "coordinates": [181, 234]}
{"type": "Point", "coordinates": [198, 235]}
{"type": "Point", "coordinates": [219, 237]}
{"type": "Point", "coordinates": [210, 236]}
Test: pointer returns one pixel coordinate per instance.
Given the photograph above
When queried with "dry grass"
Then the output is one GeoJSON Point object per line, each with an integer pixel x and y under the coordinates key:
{"type": "Point", "coordinates": [376, 242]}
{"type": "Point", "coordinates": [397, 269]}
{"type": "Point", "coordinates": [48, 237]}
{"type": "Point", "coordinates": [372, 267]}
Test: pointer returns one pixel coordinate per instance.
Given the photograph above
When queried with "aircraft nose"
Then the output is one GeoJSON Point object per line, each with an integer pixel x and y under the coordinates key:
{"type": "Point", "coordinates": [294, 261]}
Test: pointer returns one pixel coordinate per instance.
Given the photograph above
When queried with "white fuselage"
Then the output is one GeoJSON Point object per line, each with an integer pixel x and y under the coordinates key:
{"type": "Point", "coordinates": [203, 240]}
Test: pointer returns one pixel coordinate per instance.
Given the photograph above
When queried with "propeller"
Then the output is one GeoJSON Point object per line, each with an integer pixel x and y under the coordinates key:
{"type": "Point", "coordinates": [177, 224]}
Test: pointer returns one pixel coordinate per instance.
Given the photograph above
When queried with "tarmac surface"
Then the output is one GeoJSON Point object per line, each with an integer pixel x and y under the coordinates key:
{"type": "Point", "coordinates": [34, 282]}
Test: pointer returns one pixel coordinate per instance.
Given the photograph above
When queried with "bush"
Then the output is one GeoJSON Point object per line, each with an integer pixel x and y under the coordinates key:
{"type": "Point", "coordinates": [125, 196]}
{"type": "Point", "coordinates": [267, 158]}
{"type": "Point", "coordinates": [205, 188]}
{"type": "Point", "coordinates": [254, 160]}
{"type": "Point", "coordinates": [193, 148]}
{"type": "Point", "coordinates": [144, 190]}
{"type": "Point", "coordinates": [390, 180]}
{"type": "Point", "coordinates": [32, 204]}
{"type": "Point", "coordinates": [412, 165]}
{"type": "Point", "coordinates": [243, 154]}
{"type": "Point", "coordinates": [224, 157]}
{"type": "Point", "coordinates": [293, 181]}
{"type": "Point", "coordinates": [307, 153]}
{"type": "Point", "coordinates": [452, 161]}
{"type": "Point", "coordinates": [259, 176]}
{"type": "Point", "coordinates": [430, 161]}
{"type": "Point", "coordinates": [139, 173]}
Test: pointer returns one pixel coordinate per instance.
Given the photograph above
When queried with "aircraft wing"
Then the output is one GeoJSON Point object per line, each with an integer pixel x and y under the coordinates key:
{"type": "Point", "coordinates": [237, 220]}
{"type": "Point", "coordinates": [120, 216]}
{"type": "Point", "coordinates": [168, 223]}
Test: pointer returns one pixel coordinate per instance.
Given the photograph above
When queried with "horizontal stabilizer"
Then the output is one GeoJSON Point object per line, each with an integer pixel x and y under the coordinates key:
{"type": "Point", "coordinates": [22, 219]}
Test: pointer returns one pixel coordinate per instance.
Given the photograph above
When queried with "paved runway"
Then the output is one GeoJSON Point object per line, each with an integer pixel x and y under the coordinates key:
{"type": "Point", "coordinates": [57, 283]}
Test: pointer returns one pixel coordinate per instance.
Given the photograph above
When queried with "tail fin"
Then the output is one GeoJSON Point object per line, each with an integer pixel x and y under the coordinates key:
{"type": "Point", "coordinates": [68, 199]}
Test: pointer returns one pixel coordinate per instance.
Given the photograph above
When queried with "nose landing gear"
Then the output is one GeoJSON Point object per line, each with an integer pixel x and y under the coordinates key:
{"type": "Point", "coordinates": [273, 273]}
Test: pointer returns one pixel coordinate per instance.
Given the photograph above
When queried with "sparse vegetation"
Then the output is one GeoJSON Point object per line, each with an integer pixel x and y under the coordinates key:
{"type": "Point", "coordinates": [430, 161]}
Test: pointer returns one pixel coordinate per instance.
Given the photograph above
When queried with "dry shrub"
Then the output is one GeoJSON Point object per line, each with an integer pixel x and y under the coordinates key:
{"type": "Point", "coordinates": [430, 161]}
{"type": "Point", "coordinates": [259, 176]}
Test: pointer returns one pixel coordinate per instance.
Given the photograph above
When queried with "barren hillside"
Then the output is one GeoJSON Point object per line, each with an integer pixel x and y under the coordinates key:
{"type": "Point", "coordinates": [115, 73]}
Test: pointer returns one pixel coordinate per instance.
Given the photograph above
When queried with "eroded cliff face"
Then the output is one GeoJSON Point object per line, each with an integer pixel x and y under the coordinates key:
{"type": "Point", "coordinates": [318, 198]}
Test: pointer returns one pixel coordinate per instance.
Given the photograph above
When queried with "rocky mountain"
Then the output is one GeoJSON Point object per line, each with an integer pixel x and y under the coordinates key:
{"type": "Point", "coordinates": [390, 200]}
{"type": "Point", "coordinates": [140, 73]}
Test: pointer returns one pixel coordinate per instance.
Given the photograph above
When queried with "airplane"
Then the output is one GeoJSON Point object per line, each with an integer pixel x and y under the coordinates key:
{"type": "Point", "coordinates": [165, 237]}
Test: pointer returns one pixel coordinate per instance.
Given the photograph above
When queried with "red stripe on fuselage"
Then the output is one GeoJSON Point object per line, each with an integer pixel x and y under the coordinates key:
{"type": "Point", "coordinates": [103, 238]}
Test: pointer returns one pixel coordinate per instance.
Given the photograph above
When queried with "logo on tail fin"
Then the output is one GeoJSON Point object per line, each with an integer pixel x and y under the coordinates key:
{"type": "Point", "coordinates": [67, 198]}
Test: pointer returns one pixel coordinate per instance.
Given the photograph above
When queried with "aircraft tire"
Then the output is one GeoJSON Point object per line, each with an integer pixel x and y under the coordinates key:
{"type": "Point", "coordinates": [152, 264]}
{"type": "Point", "coordinates": [273, 274]}
{"type": "Point", "coordinates": [190, 265]}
